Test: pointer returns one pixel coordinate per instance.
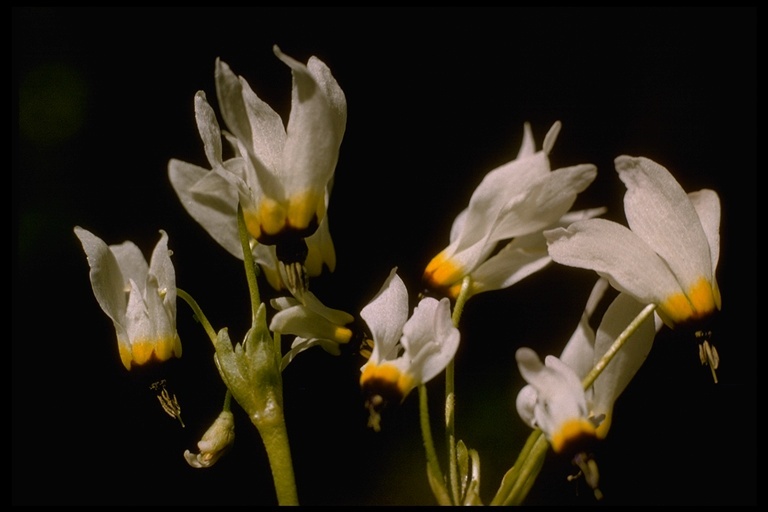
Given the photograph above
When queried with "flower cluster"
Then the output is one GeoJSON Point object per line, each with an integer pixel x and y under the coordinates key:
{"type": "Point", "coordinates": [264, 199]}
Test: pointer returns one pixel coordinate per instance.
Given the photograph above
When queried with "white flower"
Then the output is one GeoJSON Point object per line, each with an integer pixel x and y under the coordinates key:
{"type": "Point", "coordinates": [280, 175]}
{"type": "Point", "coordinates": [312, 323]}
{"type": "Point", "coordinates": [216, 441]}
{"type": "Point", "coordinates": [139, 298]}
{"type": "Point", "coordinates": [406, 352]}
{"type": "Point", "coordinates": [666, 257]}
{"type": "Point", "coordinates": [516, 201]}
{"type": "Point", "coordinates": [554, 399]}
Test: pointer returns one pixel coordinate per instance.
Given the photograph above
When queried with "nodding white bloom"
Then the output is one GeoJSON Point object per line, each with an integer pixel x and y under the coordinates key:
{"type": "Point", "coordinates": [406, 351]}
{"type": "Point", "coordinates": [281, 175]}
{"type": "Point", "coordinates": [312, 323]}
{"type": "Point", "coordinates": [140, 298]}
{"type": "Point", "coordinates": [513, 203]}
{"type": "Point", "coordinates": [216, 441]}
{"type": "Point", "coordinates": [555, 400]}
{"type": "Point", "coordinates": [669, 253]}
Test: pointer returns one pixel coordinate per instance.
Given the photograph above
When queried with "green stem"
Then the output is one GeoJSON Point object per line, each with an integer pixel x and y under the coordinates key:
{"type": "Point", "coordinates": [450, 397]}
{"type": "Point", "coordinates": [434, 473]}
{"type": "Point", "coordinates": [510, 478]}
{"type": "Point", "coordinates": [529, 471]}
{"type": "Point", "coordinates": [250, 265]}
{"type": "Point", "coordinates": [198, 313]}
{"type": "Point", "coordinates": [269, 418]}
{"type": "Point", "coordinates": [274, 434]}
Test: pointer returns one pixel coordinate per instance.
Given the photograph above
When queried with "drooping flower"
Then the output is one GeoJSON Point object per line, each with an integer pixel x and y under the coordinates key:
{"type": "Point", "coordinates": [281, 175]}
{"type": "Point", "coordinates": [216, 441]}
{"type": "Point", "coordinates": [140, 298]}
{"type": "Point", "coordinates": [512, 205]}
{"type": "Point", "coordinates": [407, 351]}
{"type": "Point", "coordinates": [669, 253]}
{"type": "Point", "coordinates": [313, 323]}
{"type": "Point", "coordinates": [555, 400]}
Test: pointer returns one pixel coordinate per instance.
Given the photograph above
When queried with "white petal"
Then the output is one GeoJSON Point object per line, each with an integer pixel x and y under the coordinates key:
{"type": "Point", "coordinates": [106, 277]}
{"type": "Point", "coordinates": [321, 251]}
{"type": "Point", "coordinates": [209, 130]}
{"type": "Point", "coordinates": [560, 396]}
{"type": "Point", "coordinates": [267, 131]}
{"type": "Point", "coordinates": [614, 252]}
{"type": "Point", "coordinates": [385, 316]}
{"type": "Point", "coordinates": [252, 121]}
{"type": "Point", "coordinates": [660, 212]}
{"type": "Point", "coordinates": [526, 404]}
{"type": "Point", "coordinates": [520, 258]}
{"type": "Point", "coordinates": [137, 316]}
{"type": "Point", "coordinates": [707, 204]}
{"type": "Point", "coordinates": [579, 352]}
{"type": "Point", "coordinates": [132, 263]}
{"type": "Point", "coordinates": [210, 200]}
{"type": "Point", "coordinates": [161, 267]}
{"type": "Point", "coordinates": [546, 201]}
{"type": "Point", "coordinates": [528, 146]}
{"type": "Point", "coordinates": [335, 96]}
{"type": "Point", "coordinates": [335, 316]}
{"type": "Point", "coordinates": [430, 339]}
{"type": "Point", "coordinates": [502, 186]}
{"type": "Point", "coordinates": [313, 139]}
{"type": "Point", "coordinates": [551, 137]}
{"type": "Point", "coordinates": [627, 361]}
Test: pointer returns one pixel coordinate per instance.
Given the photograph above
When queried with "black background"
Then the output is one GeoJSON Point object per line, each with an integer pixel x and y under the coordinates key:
{"type": "Point", "coordinates": [103, 98]}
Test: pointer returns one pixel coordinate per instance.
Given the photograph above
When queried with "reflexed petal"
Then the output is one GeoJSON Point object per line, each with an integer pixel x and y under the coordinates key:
{"type": "Point", "coordinates": [210, 200]}
{"type": "Point", "coordinates": [528, 146]}
{"type": "Point", "coordinates": [430, 338]}
{"type": "Point", "coordinates": [560, 397]}
{"type": "Point", "coordinates": [268, 132]}
{"type": "Point", "coordinates": [132, 263]}
{"type": "Point", "coordinates": [614, 252]}
{"type": "Point", "coordinates": [335, 316]}
{"type": "Point", "coordinates": [627, 361]}
{"type": "Point", "coordinates": [579, 352]}
{"type": "Point", "coordinates": [209, 130]}
{"type": "Point", "coordinates": [244, 113]}
{"type": "Point", "coordinates": [321, 250]}
{"type": "Point", "coordinates": [659, 211]}
{"type": "Point", "coordinates": [161, 267]}
{"type": "Point", "coordinates": [333, 93]}
{"type": "Point", "coordinates": [503, 186]}
{"type": "Point", "coordinates": [106, 279]}
{"type": "Point", "coordinates": [313, 139]}
{"type": "Point", "coordinates": [707, 204]}
{"type": "Point", "coordinates": [301, 344]}
{"type": "Point", "coordinates": [518, 259]}
{"type": "Point", "coordinates": [139, 326]}
{"type": "Point", "coordinates": [526, 404]}
{"type": "Point", "coordinates": [385, 316]}
{"type": "Point", "coordinates": [544, 203]}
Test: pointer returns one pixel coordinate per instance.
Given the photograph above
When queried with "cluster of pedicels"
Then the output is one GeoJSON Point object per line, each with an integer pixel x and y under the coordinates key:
{"type": "Point", "coordinates": [278, 176]}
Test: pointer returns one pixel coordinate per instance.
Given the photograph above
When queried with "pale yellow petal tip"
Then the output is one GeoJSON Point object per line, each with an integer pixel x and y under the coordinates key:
{"type": "Point", "coordinates": [573, 431]}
